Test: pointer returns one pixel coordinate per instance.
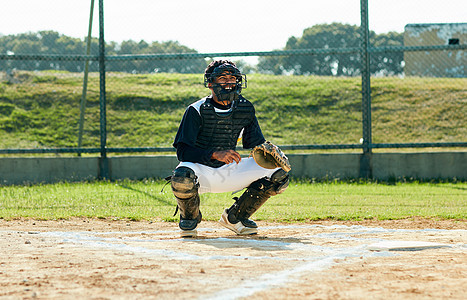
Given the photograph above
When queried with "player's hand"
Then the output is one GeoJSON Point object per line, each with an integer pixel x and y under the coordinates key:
{"type": "Point", "coordinates": [227, 156]}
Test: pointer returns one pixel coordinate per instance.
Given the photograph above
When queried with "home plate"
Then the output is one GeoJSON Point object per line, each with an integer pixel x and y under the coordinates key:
{"type": "Point", "coordinates": [404, 246]}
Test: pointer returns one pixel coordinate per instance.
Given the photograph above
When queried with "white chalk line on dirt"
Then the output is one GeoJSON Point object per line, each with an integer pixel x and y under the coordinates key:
{"type": "Point", "coordinates": [278, 279]}
{"type": "Point", "coordinates": [334, 256]}
{"type": "Point", "coordinates": [318, 258]}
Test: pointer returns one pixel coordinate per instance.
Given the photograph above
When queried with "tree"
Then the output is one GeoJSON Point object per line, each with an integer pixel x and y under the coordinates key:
{"type": "Point", "coordinates": [387, 63]}
{"type": "Point", "coordinates": [333, 36]}
{"type": "Point", "coordinates": [51, 42]}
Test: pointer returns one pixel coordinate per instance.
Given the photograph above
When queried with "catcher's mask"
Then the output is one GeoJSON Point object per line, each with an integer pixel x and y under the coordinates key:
{"type": "Point", "coordinates": [226, 92]}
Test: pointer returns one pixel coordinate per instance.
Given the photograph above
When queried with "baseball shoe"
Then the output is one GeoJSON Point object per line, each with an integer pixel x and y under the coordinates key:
{"type": "Point", "coordinates": [239, 227]}
{"type": "Point", "coordinates": [188, 226]}
{"type": "Point", "coordinates": [188, 233]}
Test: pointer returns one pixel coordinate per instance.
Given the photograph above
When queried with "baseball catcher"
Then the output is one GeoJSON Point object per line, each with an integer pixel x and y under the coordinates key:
{"type": "Point", "coordinates": [209, 163]}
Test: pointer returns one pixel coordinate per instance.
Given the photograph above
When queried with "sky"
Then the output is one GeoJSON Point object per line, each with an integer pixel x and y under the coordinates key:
{"type": "Point", "coordinates": [213, 26]}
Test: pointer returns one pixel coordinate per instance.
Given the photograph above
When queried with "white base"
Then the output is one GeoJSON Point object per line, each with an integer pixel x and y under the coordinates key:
{"type": "Point", "coordinates": [404, 246]}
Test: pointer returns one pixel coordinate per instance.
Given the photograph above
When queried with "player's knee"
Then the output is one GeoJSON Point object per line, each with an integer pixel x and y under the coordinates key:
{"type": "Point", "coordinates": [280, 179]}
{"type": "Point", "coordinates": [184, 183]}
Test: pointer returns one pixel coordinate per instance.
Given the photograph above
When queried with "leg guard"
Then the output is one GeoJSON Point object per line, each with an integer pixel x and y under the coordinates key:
{"type": "Point", "coordinates": [185, 188]}
{"type": "Point", "coordinates": [255, 196]}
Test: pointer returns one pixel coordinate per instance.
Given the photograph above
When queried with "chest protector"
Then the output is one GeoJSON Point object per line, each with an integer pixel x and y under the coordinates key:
{"type": "Point", "coordinates": [221, 131]}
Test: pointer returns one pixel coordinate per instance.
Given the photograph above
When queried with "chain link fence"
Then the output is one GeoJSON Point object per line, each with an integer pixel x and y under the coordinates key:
{"type": "Point", "coordinates": [309, 95]}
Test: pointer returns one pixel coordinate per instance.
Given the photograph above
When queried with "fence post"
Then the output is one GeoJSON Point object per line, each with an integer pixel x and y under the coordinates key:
{"type": "Point", "coordinates": [365, 161]}
{"type": "Point", "coordinates": [82, 106]}
{"type": "Point", "coordinates": [103, 160]}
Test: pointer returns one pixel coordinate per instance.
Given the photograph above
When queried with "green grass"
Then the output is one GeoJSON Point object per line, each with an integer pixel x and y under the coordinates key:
{"type": "Point", "coordinates": [41, 109]}
{"type": "Point", "coordinates": [302, 201]}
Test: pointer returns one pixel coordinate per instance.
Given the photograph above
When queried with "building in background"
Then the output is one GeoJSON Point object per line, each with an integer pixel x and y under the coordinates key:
{"type": "Point", "coordinates": [435, 63]}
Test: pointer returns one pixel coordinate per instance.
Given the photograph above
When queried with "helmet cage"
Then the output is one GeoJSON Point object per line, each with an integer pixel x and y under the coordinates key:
{"type": "Point", "coordinates": [226, 69]}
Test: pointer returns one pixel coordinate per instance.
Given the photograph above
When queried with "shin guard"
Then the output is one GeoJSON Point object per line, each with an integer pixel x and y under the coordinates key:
{"type": "Point", "coordinates": [255, 196]}
{"type": "Point", "coordinates": [185, 188]}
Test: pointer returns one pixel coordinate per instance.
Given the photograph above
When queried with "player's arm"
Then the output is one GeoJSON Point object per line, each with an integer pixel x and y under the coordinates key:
{"type": "Point", "coordinates": [252, 135]}
{"type": "Point", "coordinates": [186, 139]}
{"type": "Point", "coordinates": [193, 154]}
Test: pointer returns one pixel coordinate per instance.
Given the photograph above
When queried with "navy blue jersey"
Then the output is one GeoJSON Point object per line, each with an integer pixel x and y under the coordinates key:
{"type": "Point", "coordinates": [197, 121]}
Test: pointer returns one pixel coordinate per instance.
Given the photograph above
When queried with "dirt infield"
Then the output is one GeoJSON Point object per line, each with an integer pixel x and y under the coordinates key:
{"type": "Point", "coordinates": [104, 259]}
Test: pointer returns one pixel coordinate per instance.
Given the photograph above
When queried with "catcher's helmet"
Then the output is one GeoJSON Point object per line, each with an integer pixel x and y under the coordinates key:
{"type": "Point", "coordinates": [225, 92]}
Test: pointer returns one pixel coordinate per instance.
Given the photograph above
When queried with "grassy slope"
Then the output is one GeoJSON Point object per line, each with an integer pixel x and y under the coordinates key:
{"type": "Point", "coordinates": [42, 109]}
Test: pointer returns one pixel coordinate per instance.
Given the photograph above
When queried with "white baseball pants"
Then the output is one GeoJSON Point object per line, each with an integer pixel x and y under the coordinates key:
{"type": "Point", "coordinates": [228, 178]}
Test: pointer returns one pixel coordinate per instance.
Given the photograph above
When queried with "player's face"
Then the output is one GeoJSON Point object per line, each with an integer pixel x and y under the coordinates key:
{"type": "Point", "coordinates": [224, 88]}
{"type": "Point", "coordinates": [226, 80]}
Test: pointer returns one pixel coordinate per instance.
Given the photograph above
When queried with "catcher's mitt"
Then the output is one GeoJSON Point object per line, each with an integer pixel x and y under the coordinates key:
{"type": "Point", "coordinates": [269, 156]}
